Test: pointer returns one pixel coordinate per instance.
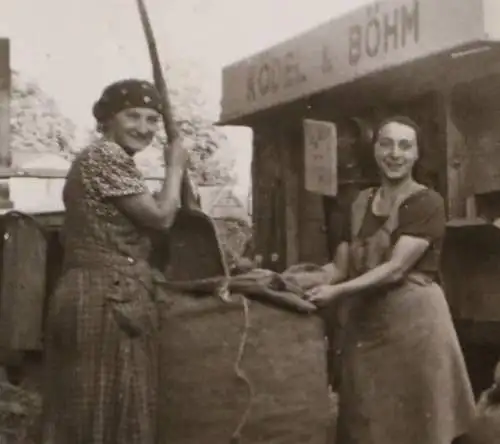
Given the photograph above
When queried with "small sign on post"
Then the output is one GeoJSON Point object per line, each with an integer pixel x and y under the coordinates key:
{"type": "Point", "coordinates": [320, 161]}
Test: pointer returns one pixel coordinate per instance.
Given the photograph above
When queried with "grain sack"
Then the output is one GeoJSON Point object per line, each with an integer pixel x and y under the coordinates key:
{"type": "Point", "coordinates": [242, 372]}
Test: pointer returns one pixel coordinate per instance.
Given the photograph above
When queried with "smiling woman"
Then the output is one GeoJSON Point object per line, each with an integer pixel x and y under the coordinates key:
{"type": "Point", "coordinates": [128, 113]}
{"type": "Point", "coordinates": [396, 147]}
{"type": "Point", "coordinates": [395, 357]}
{"type": "Point", "coordinates": [102, 324]}
{"type": "Point", "coordinates": [133, 128]}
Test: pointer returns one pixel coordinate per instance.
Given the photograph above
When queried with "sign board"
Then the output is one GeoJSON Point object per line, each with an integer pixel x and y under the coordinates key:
{"type": "Point", "coordinates": [368, 40]}
{"type": "Point", "coordinates": [320, 149]}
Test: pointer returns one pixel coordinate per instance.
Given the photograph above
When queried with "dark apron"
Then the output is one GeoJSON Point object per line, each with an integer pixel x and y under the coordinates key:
{"type": "Point", "coordinates": [399, 371]}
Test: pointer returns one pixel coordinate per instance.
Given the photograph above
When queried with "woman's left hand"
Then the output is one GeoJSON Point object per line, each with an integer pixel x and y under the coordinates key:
{"type": "Point", "coordinates": [323, 295]}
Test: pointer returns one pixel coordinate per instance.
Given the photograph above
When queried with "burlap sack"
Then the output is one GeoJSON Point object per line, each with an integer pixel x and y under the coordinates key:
{"type": "Point", "coordinates": [241, 372]}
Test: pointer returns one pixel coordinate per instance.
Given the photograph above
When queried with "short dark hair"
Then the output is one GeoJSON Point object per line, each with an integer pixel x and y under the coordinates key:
{"type": "Point", "coordinates": [403, 120]}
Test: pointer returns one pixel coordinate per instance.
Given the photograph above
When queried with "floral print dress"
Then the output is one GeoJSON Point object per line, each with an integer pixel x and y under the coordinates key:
{"type": "Point", "coordinates": [102, 324]}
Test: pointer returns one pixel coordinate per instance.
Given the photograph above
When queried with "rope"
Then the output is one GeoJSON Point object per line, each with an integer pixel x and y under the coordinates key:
{"type": "Point", "coordinates": [240, 374]}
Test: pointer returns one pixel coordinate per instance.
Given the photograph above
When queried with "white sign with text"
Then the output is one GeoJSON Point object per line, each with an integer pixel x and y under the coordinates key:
{"type": "Point", "coordinates": [368, 40]}
{"type": "Point", "coordinates": [320, 149]}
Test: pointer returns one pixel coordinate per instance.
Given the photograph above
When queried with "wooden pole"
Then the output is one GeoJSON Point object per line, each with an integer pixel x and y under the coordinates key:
{"type": "Point", "coordinates": [191, 218]}
{"type": "Point", "coordinates": [189, 197]}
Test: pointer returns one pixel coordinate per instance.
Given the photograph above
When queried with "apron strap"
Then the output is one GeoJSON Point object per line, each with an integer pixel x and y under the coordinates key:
{"type": "Point", "coordinates": [392, 221]}
{"type": "Point", "coordinates": [376, 249]}
{"type": "Point", "coordinates": [359, 209]}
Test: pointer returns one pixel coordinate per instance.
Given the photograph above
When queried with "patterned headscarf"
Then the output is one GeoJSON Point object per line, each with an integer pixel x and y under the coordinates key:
{"type": "Point", "coordinates": [124, 94]}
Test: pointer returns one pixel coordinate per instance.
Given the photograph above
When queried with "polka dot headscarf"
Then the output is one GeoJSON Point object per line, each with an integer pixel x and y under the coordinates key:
{"type": "Point", "coordinates": [124, 94]}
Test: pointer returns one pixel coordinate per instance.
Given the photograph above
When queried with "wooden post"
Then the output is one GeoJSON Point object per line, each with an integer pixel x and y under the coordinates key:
{"type": "Point", "coordinates": [456, 158]}
{"type": "Point", "coordinates": [274, 196]}
{"type": "Point", "coordinates": [292, 163]}
{"type": "Point", "coordinates": [5, 155]}
{"type": "Point", "coordinates": [313, 225]}
{"type": "Point", "coordinates": [263, 184]}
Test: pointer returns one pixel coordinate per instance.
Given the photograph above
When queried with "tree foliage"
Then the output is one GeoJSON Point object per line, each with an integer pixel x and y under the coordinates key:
{"type": "Point", "coordinates": [192, 112]}
{"type": "Point", "coordinates": [37, 125]}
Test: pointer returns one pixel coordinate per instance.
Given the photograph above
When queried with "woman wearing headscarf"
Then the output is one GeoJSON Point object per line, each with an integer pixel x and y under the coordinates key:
{"type": "Point", "coordinates": [102, 324]}
{"type": "Point", "coordinates": [401, 373]}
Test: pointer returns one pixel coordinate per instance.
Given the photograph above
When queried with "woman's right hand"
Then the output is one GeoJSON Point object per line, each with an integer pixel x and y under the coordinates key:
{"type": "Point", "coordinates": [176, 154]}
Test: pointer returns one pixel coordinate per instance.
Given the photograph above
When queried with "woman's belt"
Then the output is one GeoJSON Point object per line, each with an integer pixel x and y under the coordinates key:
{"type": "Point", "coordinates": [121, 263]}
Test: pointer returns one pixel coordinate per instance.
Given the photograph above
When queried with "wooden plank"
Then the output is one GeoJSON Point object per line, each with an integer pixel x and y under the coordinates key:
{"type": "Point", "coordinates": [471, 266]}
{"type": "Point", "coordinates": [477, 332]}
{"type": "Point", "coordinates": [444, 162]}
{"type": "Point", "coordinates": [277, 192]}
{"type": "Point", "coordinates": [23, 286]}
{"type": "Point", "coordinates": [313, 240]}
{"type": "Point", "coordinates": [257, 198]}
{"type": "Point", "coordinates": [484, 158]}
{"type": "Point", "coordinates": [265, 201]}
{"type": "Point", "coordinates": [292, 150]}
{"type": "Point", "coordinates": [475, 114]}
{"type": "Point", "coordinates": [276, 168]}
